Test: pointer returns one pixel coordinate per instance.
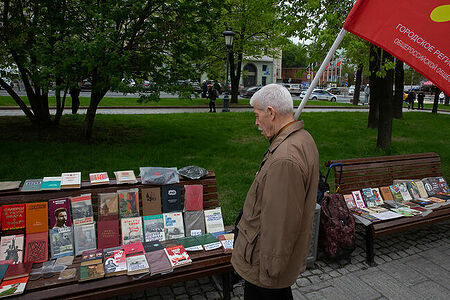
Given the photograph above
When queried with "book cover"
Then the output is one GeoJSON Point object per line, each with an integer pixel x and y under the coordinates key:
{"type": "Point", "coordinates": [154, 228]}
{"type": "Point", "coordinates": [214, 220]}
{"type": "Point", "coordinates": [208, 241]}
{"type": "Point", "coordinates": [178, 256]}
{"type": "Point", "coordinates": [91, 257]}
{"type": "Point", "coordinates": [171, 198]}
{"type": "Point", "coordinates": [194, 222]}
{"type": "Point", "coordinates": [368, 197]}
{"type": "Point", "coordinates": [13, 287]}
{"type": "Point", "coordinates": [85, 239]}
{"type": "Point", "coordinates": [173, 225]}
{"type": "Point", "coordinates": [377, 195]}
{"type": "Point", "coordinates": [61, 242]}
{"type": "Point", "coordinates": [137, 265]}
{"type": "Point", "coordinates": [3, 269]}
{"type": "Point", "coordinates": [11, 247]}
{"type": "Point", "coordinates": [413, 189]}
{"type": "Point", "coordinates": [99, 178]}
{"type": "Point", "coordinates": [396, 194]}
{"type": "Point", "coordinates": [349, 201]}
{"type": "Point", "coordinates": [71, 180]}
{"type": "Point", "coordinates": [13, 216]}
{"type": "Point", "coordinates": [151, 201]}
{"type": "Point", "coordinates": [152, 246]}
{"type": "Point", "coordinates": [131, 230]}
{"type": "Point", "coordinates": [9, 185]}
{"type": "Point", "coordinates": [190, 243]}
{"type": "Point", "coordinates": [31, 185]}
{"type": "Point", "coordinates": [159, 262]}
{"type": "Point", "coordinates": [51, 183]}
{"type": "Point", "coordinates": [108, 206]}
{"type": "Point", "coordinates": [193, 197]}
{"type": "Point", "coordinates": [431, 185]}
{"type": "Point", "coordinates": [443, 185]}
{"type": "Point", "coordinates": [158, 175]}
{"type": "Point", "coordinates": [59, 213]}
{"type": "Point", "coordinates": [91, 272]}
{"type": "Point", "coordinates": [18, 270]}
{"type": "Point", "coordinates": [128, 203]}
{"type": "Point", "coordinates": [108, 233]}
{"type": "Point", "coordinates": [36, 217]}
{"type": "Point", "coordinates": [422, 191]}
{"type": "Point", "coordinates": [115, 261]}
{"type": "Point", "coordinates": [36, 248]}
{"type": "Point", "coordinates": [134, 248]}
{"type": "Point", "coordinates": [386, 193]}
{"type": "Point", "coordinates": [358, 199]}
{"type": "Point", "coordinates": [125, 177]}
{"type": "Point", "coordinates": [82, 212]}
{"type": "Point", "coordinates": [227, 241]}
{"type": "Point", "coordinates": [404, 191]}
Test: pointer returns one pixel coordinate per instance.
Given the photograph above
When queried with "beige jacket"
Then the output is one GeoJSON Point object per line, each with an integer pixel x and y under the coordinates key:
{"type": "Point", "coordinates": [276, 226]}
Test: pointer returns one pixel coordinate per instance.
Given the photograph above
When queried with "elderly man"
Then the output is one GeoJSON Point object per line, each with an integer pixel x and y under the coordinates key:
{"type": "Point", "coordinates": [274, 232]}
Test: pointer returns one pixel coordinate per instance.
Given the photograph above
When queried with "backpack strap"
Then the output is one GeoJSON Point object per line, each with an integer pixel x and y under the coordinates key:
{"type": "Point", "coordinates": [340, 174]}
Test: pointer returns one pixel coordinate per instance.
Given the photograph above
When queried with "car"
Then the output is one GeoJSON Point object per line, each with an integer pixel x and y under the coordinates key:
{"type": "Point", "coordinates": [319, 94]}
{"type": "Point", "coordinates": [334, 90]}
{"type": "Point", "coordinates": [294, 89]}
{"type": "Point", "coordinates": [351, 90]}
{"type": "Point", "coordinates": [249, 92]}
{"type": "Point", "coordinates": [85, 84]}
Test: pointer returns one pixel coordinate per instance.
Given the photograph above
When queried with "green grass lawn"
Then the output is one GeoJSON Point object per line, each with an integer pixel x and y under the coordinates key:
{"type": "Point", "coordinates": [229, 144]}
{"type": "Point", "coordinates": [125, 101]}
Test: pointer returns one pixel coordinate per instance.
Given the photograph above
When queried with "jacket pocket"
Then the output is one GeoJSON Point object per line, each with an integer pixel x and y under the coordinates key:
{"type": "Point", "coordinates": [249, 241]}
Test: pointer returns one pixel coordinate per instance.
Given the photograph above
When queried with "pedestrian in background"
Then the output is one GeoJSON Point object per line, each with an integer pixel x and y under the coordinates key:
{"type": "Point", "coordinates": [420, 98]}
{"type": "Point", "coordinates": [212, 96]}
{"type": "Point", "coordinates": [204, 88]}
{"type": "Point", "coordinates": [367, 93]}
{"type": "Point", "coordinates": [411, 98]}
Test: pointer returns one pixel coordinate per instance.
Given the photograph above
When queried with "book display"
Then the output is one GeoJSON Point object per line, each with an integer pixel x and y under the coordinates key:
{"type": "Point", "coordinates": [128, 203]}
{"type": "Point", "coordinates": [82, 212]}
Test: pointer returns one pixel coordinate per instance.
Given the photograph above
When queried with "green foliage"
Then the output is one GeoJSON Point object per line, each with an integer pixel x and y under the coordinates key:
{"type": "Point", "coordinates": [294, 56]}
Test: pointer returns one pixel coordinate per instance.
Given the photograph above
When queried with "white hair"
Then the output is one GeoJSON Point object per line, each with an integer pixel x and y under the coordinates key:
{"type": "Point", "coordinates": [274, 95]}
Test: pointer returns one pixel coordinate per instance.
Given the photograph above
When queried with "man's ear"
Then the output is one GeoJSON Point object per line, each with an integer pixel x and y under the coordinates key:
{"type": "Point", "coordinates": [271, 111]}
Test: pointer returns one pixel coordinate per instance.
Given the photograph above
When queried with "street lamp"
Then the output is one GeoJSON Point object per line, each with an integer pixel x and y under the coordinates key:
{"type": "Point", "coordinates": [228, 34]}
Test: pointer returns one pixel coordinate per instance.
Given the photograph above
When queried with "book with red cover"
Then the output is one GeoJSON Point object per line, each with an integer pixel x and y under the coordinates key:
{"type": "Point", "coordinates": [151, 201]}
{"type": "Point", "coordinates": [178, 256]}
{"type": "Point", "coordinates": [37, 217]}
{"type": "Point", "coordinates": [108, 233]}
{"type": "Point", "coordinates": [59, 213]}
{"type": "Point", "coordinates": [13, 287]}
{"type": "Point", "coordinates": [133, 249]}
{"type": "Point", "coordinates": [36, 248]}
{"type": "Point", "coordinates": [18, 270]}
{"type": "Point", "coordinates": [13, 216]}
{"type": "Point", "coordinates": [193, 197]}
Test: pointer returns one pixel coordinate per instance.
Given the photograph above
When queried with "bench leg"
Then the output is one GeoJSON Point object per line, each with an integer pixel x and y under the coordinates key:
{"type": "Point", "coordinates": [226, 283]}
{"type": "Point", "coordinates": [370, 255]}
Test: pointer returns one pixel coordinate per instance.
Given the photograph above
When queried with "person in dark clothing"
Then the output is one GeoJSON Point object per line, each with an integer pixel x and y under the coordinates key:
{"type": "Point", "coordinates": [420, 99]}
{"type": "Point", "coordinates": [212, 96]}
{"type": "Point", "coordinates": [411, 98]}
{"type": "Point", "coordinates": [204, 88]}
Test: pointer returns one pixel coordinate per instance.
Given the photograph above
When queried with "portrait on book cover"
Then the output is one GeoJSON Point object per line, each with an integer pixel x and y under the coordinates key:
{"type": "Point", "coordinates": [60, 216]}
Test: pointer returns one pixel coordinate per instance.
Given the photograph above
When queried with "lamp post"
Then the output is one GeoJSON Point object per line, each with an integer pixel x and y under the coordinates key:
{"type": "Point", "coordinates": [228, 34]}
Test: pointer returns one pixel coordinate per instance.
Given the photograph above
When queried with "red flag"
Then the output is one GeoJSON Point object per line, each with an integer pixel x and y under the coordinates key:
{"type": "Point", "coordinates": [415, 31]}
{"type": "Point", "coordinates": [338, 63]}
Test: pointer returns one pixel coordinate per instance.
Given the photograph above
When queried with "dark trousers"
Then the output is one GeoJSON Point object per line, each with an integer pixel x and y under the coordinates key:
{"type": "Point", "coordinates": [212, 106]}
{"type": "Point", "coordinates": [420, 104]}
{"type": "Point", "coordinates": [253, 292]}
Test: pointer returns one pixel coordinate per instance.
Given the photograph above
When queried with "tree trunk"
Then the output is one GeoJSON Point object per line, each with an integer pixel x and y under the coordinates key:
{"type": "Point", "coordinates": [385, 108]}
{"type": "Point", "coordinates": [235, 75]}
{"type": "Point", "coordinates": [96, 96]}
{"type": "Point", "coordinates": [357, 91]}
{"type": "Point", "coordinates": [447, 100]}
{"type": "Point", "coordinates": [398, 96]}
{"type": "Point", "coordinates": [437, 91]}
{"type": "Point", "coordinates": [39, 105]}
{"type": "Point", "coordinates": [19, 101]}
{"type": "Point", "coordinates": [75, 94]}
{"type": "Point", "coordinates": [375, 86]}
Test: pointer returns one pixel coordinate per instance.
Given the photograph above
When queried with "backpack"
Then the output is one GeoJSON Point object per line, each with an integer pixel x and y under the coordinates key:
{"type": "Point", "coordinates": [322, 188]}
{"type": "Point", "coordinates": [337, 228]}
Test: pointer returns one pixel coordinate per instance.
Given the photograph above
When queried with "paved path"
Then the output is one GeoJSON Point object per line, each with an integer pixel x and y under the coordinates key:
{"type": "Point", "coordinates": [411, 265]}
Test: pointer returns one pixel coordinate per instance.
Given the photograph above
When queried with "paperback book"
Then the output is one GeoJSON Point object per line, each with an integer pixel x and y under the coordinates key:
{"type": "Point", "coordinates": [190, 243]}
{"type": "Point", "coordinates": [13, 287]}
{"type": "Point", "coordinates": [84, 238]}
{"type": "Point", "coordinates": [377, 195]}
{"type": "Point", "coordinates": [413, 189]}
{"type": "Point", "coordinates": [91, 272]}
{"type": "Point", "coordinates": [422, 191]}
{"type": "Point", "coordinates": [227, 241]}
{"type": "Point", "coordinates": [125, 177]}
{"type": "Point", "coordinates": [154, 228]}
{"type": "Point", "coordinates": [128, 203]}
{"type": "Point", "coordinates": [349, 201]}
{"type": "Point", "coordinates": [115, 261]}
{"type": "Point", "coordinates": [36, 217]}
{"type": "Point", "coordinates": [9, 185]}
{"type": "Point", "coordinates": [358, 199]}
{"type": "Point", "coordinates": [59, 213]}
{"type": "Point", "coordinates": [178, 256]}
{"type": "Point", "coordinates": [36, 249]}
{"type": "Point", "coordinates": [404, 191]}
{"type": "Point", "coordinates": [108, 233]}
{"type": "Point", "coordinates": [11, 248]}
{"type": "Point", "coordinates": [386, 193]}
{"type": "Point", "coordinates": [433, 183]}
{"type": "Point", "coordinates": [99, 178]}
{"type": "Point", "coordinates": [214, 220]}
{"type": "Point", "coordinates": [396, 194]}
{"type": "Point", "coordinates": [173, 225]}
{"type": "Point", "coordinates": [443, 185]}
{"type": "Point", "coordinates": [136, 261]}
{"type": "Point", "coordinates": [3, 269]}
{"type": "Point", "coordinates": [171, 198]}
{"type": "Point", "coordinates": [82, 212]}
{"type": "Point", "coordinates": [193, 197]}
{"type": "Point", "coordinates": [368, 197]}
{"type": "Point", "coordinates": [18, 270]}
{"type": "Point", "coordinates": [31, 185]}
{"type": "Point", "coordinates": [108, 206]}
{"type": "Point", "coordinates": [159, 262]}
{"type": "Point", "coordinates": [91, 257]}
{"type": "Point", "coordinates": [131, 230]}
{"type": "Point", "coordinates": [13, 216]}
{"type": "Point", "coordinates": [51, 183]}
{"type": "Point", "coordinates": [152, 246]}
{"type": "Point", "coordinates": [71, 180]}
{"type": "Point", "coordinates": [194, 222]}
{"type": "Point", "coordinates": [151, 201]}
{"type": "Point", "coordinates": [61, 242]}
{"type": "Point", "coordinates": [208, 241]}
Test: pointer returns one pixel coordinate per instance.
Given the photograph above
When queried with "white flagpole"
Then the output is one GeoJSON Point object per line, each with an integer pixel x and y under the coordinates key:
{"type": "Point", "coordinates": [320, 72]}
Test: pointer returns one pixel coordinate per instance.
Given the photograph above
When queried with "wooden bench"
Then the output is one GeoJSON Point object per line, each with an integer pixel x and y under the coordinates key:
{"type": "Point", "coordinates": [355, 174]}
{"type": "Point", "coordinates": [215, 262]}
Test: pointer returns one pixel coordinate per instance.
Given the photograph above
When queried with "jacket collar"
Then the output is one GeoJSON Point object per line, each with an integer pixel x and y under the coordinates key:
{"type": "Point", "coordinates": [296, 126]}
